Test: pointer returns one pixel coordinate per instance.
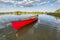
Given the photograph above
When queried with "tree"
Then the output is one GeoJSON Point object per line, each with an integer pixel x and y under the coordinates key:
{"type": "Point", "coordinates": [57, 11]}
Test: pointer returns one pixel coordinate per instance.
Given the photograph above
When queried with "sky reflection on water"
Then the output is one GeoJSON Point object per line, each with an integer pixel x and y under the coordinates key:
{"type": "Point", "coordinates": [46, 28]}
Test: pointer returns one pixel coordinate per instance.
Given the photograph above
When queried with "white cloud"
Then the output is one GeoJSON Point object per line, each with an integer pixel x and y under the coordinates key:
{"type": "Point", "coordinates": [44, 2]}
{"type": "Point", "coordinates": [28, 2]}
{"type": "Point", "coordinates": [57, 0]}
{"type": "Point", "coordinates": [6, 0]}
{"type": "Point", "coordinates": [21, 3]}
{"type": "Point", "coordinates": [25, 3]}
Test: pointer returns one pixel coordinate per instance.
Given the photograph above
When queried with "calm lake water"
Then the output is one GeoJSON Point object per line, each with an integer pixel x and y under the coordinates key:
{"type": "Point", "coordinates": [45, 28]}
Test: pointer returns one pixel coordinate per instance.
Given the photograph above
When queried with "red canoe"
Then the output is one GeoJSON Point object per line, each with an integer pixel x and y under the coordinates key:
{"type": "Point", "coordinates": [20, 24]}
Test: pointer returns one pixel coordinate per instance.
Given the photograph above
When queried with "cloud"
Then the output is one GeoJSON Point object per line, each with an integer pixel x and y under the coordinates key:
{"type": "Point", "coordinates": [6, 0]}
{"type": "Point", "coordinates": [25, 3]}
{"type": "Point", "coordinates": [58, 0]}
{"type": "Point", "coordinates": [44, 2]}
{"type": "Point", "coordinates": [28, 3]}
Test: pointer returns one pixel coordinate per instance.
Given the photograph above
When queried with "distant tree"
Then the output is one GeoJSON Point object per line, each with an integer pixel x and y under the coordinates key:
{"type": "Point", "coordinates": [57, 11]}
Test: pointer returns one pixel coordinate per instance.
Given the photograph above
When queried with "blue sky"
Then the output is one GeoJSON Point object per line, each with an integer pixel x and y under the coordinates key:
{"type": "Point", "coordinates": [29, 5]}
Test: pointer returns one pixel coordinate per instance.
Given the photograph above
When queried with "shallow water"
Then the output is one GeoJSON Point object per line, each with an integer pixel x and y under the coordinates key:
{"type": "Point", "coordinates": [45, 28]}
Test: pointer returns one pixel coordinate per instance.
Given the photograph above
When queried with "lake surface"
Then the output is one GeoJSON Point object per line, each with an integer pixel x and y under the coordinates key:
{"type": "Point", "coordinates": [45, 28]}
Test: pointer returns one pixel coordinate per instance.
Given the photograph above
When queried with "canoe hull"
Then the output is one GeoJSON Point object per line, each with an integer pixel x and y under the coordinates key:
{"type": "Point", "coordinates": [20, 24]}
